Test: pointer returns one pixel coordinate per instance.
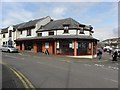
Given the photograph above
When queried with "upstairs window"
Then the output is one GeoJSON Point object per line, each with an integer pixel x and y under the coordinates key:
{"type": "Point", "coordinates": [66, 27]}
{"type": "Point", "coordinates": [21, 32]}
{"type": "Point", "coordinates": [28, 32]}
{"type": "Point", "coordinates": [10, 33]}
{"type": "Point", "coordinates": [81, 31]}
{"type": "Point", "coordinates": [3, 35]}
{"type": "Point", "coordinates": [51, 33]}
{"type": "Point", "coordinates": [66, 31]}
{"type": "Point", "coordinates": [39, 34]}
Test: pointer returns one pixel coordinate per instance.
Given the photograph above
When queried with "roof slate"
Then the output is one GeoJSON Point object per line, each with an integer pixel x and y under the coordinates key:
{"type": "Point", "coordinates": [58, 24]}
{"type": "Point", "coordinates": [29, 23]}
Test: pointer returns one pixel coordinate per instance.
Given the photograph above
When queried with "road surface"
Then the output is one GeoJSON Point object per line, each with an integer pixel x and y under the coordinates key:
{"type": "Point", "coordinates": [44, 71]}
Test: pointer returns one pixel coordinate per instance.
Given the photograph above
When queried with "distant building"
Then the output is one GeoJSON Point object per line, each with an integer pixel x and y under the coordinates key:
{"type": "Point", "coordinates": [113, 42]}
{"type": "Point", "coordinates": [59, 37]}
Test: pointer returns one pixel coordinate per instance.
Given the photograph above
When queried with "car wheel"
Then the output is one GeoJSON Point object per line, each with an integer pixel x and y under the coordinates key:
{"type": "Point", "coordinates": [8, 51]}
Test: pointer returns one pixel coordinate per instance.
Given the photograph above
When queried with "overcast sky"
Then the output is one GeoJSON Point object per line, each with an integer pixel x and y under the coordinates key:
{"type": "Point", "coordinates": [103, 16]}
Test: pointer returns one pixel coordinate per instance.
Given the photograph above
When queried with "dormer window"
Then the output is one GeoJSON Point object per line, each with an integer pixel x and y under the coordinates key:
{"type": "Point", "coordinates": [81, 31]}
{"type": "Point", "coordinates": [66, 31]}
{"type": "Point", "coordinates": [66, 27]}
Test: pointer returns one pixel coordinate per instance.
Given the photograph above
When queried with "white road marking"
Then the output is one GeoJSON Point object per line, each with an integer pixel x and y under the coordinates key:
{"type": "Point", "coordinates": [19, 53]}
{"type": "Point", "coordinates": [111, 80]}
{"type": "Point", "coordinates": [99, 65]}
{"type": "Point", "coordinates": [65, 61]}
{"type": "Point", "coordinates": [113, 67]}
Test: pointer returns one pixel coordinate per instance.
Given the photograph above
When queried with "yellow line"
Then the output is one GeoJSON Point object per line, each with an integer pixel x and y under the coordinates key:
{"type": "Point", "coordinates": [23, 79]}
{"type": "Point", "coordinates": [24, 83]}
{"type": "Point", "coordinates": [29, 83]}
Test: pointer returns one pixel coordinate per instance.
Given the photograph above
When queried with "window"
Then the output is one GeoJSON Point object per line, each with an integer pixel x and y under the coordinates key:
{"type": "Point", "coordinates": [6, 43]}
{"type": "Point", "coordinates": [3, 43]}
{"type": "Point", "coordinates": [20, 32]}
{"type": "Point", "coordinates": [66, 27]}
{"type": "Point", "coordinates": [84, 48]}
{"type": "Point", "coordinates": [3, 35]}
{"type": "Point", "coordinates": [28, 32]}
{"type": "Point", "coordinates": [10, 33]}
{"type": "Point", "coordinates": [81, 31]}
{"type": "Point", "coordinates": [51, 33]}
{"type": "Point", "coordinates": [39, 34]}
{"type": "Point", "coordinates": [66, 31]}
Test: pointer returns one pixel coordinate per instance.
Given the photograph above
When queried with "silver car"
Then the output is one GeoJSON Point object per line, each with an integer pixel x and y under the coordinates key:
{"type": "Point", "coordinates": [9, 48]}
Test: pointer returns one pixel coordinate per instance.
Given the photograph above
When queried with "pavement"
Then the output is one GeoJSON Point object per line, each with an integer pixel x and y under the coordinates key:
{"type": "Point", "coordinates": [48, 71]}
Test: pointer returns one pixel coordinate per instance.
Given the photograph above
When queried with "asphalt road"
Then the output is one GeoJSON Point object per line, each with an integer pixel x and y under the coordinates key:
{"type": "Point", "coordinates": [58, 72]}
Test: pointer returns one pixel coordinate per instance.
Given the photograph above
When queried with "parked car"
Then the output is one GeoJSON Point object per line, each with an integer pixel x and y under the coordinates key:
{"type": "Point", "coordinates": [9, 48]}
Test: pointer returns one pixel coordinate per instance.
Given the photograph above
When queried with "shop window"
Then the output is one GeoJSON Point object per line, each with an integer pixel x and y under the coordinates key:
{"type": "Point", "coordinates": [28, 46]}
{"type": "Point", "coordinates": [84, 48]}
{"type": "Point", "coordinates": [39, 34]}
{"type": "Point", "coordinates": [3, 35]}
{"type": "Point", "coordinates": [28, 32]}
{"type": "Point", "coordinates": [10, 33]}
{"type": "Point", "coordinates": [51, 33]}
{"type": "Point", "coordinates": [65, 47]}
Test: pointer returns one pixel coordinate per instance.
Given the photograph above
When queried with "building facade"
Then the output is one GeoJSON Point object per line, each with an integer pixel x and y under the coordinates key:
{"type": "Point", "coordinates": [113, 42]}
{"type": "Point", "coordinates": [59, 37]}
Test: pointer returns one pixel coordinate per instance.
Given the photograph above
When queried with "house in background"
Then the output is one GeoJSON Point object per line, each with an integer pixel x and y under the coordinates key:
{"type": "Point", "coordinates": [0, 39]}
{"type": "Point", "coordinates": [22, 30]}
{"type": "Point", "coordinates": [60, 37]}
{"type": "Point", "coordinates": [113, 42]}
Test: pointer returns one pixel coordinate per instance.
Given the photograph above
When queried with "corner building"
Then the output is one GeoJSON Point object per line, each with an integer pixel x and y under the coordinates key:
{"type": "Point", "coordinates": [60, 37]}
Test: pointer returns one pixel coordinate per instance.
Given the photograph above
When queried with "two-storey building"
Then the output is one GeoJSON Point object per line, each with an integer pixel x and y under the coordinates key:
{"type": "Point", "coordinates": [22, 30]}
{"type": "Point", "coordinates": [59, 37]}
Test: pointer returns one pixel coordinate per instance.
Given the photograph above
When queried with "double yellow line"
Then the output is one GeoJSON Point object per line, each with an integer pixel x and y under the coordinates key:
{"type": "Point", "coordinates": [26, 83]}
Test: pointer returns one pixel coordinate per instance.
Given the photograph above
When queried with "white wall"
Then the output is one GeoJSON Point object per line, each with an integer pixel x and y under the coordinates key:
{"type": "Point", "coordinates": [6, 38]}
{"type": "Point", "coordinates": [24, 34]}
{"type": "Point", "coordinates": [45, 33]}
{"type": "Point", "coordinates": [33, 31]}
{"type": "Point", "coordinates": [61, 32]}
{"type": "Point", "coordinates": [42, 22]}
{"type": "Point", "coordinates": [0, 39]}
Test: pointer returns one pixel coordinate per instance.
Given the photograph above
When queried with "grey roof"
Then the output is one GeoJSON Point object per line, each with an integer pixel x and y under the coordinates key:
{"type": "Point", "coordinates": [59, 24]}
{"type": "Point", "coordinates": [17, 25]}
{"type": "Point", "coordinates": [4, 30]}
{"type": "Point", "coordinates": [59, 37]}
{"type": "Point", "coordinates": [31, 23]}
{"type": "Point", "coordinates": [23, 25]}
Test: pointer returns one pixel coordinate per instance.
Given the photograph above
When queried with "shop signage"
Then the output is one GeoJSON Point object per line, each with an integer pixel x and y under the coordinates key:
{"type": "Point", "coordinates": [46, 45]}
{"type": "Point", "coordinates": [57, 44]}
